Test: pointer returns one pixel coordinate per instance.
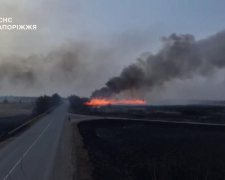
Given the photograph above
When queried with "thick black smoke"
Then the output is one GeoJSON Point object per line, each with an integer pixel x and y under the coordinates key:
{"type": "Point", "coordinates": [181, 57]}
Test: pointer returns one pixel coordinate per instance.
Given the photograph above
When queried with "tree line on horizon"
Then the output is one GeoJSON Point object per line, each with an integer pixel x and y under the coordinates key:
{"type": "Point", "coordinates": [44, 103]}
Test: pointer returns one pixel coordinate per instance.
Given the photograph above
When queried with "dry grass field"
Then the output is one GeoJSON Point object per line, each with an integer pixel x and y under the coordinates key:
{"type": "Point", "coordinates": [15, 108]}
{"type": "Point", "coordinates": [13, 115]}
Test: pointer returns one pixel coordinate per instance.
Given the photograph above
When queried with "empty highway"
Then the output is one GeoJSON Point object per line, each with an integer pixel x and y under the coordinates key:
{"type": "Point", "coordinates": [31, 155]}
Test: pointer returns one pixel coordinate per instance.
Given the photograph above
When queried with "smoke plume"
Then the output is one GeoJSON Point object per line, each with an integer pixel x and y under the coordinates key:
{"type": "Point", "coordinates": [181, 57]}
{"type": "Point", "coordinates": [75, 67]}
{"type": "Point", "coordinates": [68, 53]}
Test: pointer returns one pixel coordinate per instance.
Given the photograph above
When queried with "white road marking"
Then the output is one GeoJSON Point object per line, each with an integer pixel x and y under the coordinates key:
{"type": "Point", "coordinates": [28, 150]}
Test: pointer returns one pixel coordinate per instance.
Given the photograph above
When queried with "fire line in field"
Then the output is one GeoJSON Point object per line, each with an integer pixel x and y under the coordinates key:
{"type": "Point", "coordinates": [104, 101]}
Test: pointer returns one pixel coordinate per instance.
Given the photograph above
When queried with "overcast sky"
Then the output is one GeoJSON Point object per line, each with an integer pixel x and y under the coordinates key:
{"type": "Point", "coordinates": [63, 20]}
{"type": "Point", "coordinates": [120, 29]}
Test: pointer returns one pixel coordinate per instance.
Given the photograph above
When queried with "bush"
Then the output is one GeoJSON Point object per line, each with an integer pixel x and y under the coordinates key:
{"type": "Point", "coordinates": [55, 99]}
{"type": "Point", "coordinates": [5, 101]}
{"type": "Point", "coordinates": [44, 103]}
{"type": "Point", "coordinates": [77, 104]}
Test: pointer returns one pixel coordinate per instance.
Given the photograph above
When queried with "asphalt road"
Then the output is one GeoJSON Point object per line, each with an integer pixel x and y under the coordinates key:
{"type": "Point", "coordinates": [31, 155]}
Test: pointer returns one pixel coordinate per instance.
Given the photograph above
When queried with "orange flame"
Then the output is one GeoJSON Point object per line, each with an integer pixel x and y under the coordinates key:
{"type": "Point", "coordinates": [99, 102]}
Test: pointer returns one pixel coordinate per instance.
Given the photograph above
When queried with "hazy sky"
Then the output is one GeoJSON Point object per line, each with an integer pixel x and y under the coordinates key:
{"type": "Point", "coordinates": [63, 20]}
{"type": "Point", "coordinates": [120, 30]}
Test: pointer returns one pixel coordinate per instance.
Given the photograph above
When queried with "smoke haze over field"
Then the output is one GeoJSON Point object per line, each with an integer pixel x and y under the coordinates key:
{"type": "Point", "coordinates": [55, 58]}
{"type": "Point", "coordinates": [77, 65]}
{"type": "Point", "coordinates": [180, 58]}
{"type": "Point", "coordinates": [79, 46]}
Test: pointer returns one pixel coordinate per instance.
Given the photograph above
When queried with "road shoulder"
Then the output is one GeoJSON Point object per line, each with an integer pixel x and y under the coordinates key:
{"type": "Point", "coordinates": [71, 161]}
{"type": "Point", "coordinates": [83, 167]}
{"type": "Point", "coordinates": [63, 166]}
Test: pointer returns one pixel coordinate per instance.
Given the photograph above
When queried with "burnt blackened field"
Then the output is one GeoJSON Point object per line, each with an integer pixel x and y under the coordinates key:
{"type": "Point", "coordinates": [192, 113]}
{"type": "Point", "coordinates": [140, 150]}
